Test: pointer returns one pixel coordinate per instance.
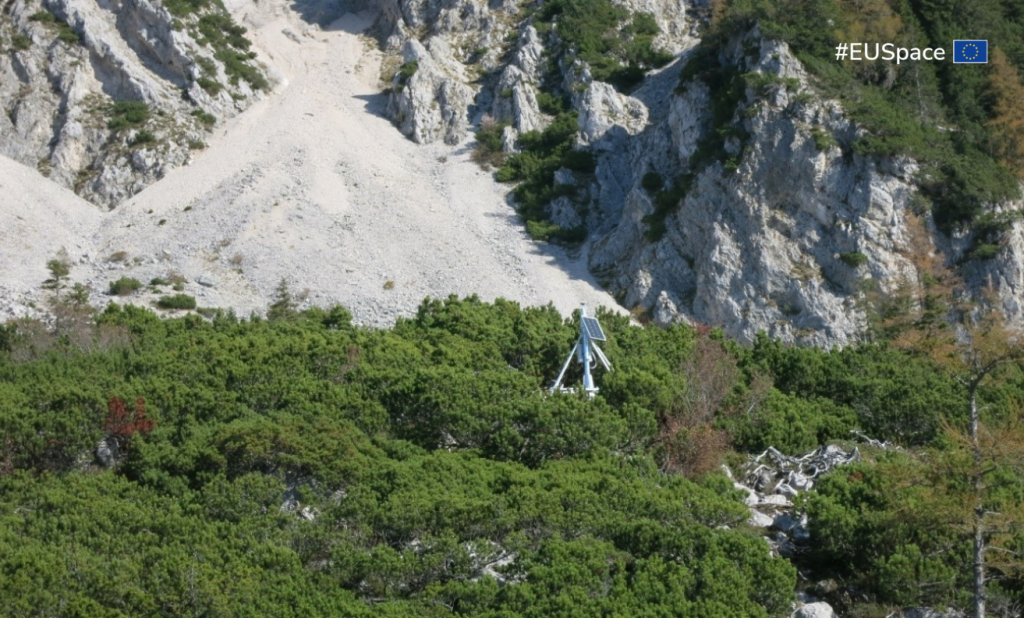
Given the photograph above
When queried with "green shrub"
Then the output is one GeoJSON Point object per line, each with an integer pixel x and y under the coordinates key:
{"type": "Point", "coordinates": [158, 281]}
{"type": "Point", "coordinates": [653, 182]}
{"type": "Point", "coordinates": [985, 251]}
{"type": "Point", "coordinates": [205, 118]}
{"type": "Point", "coordinates": [68, 35]}
{"type": "Point", "coordinates": [211, 86]}
{"type": "Point", "coordinates": [406, 71]}
{"type": "Point", "coordinates": [43, 17]}
{"type": "Point", "coordinates": [488, 151]}
{"type": "Point", "coordinates": [550, 103]}
{"type": "Point", "coordinates": [143, 137]}
{"type": "Point", "coordinates": [237, 66]}
{"type": "Point", "coordinates": [823, 140]}
{"type": "Point", "coordinates": [124, 286]}
{"type": "Point", "coordinates": [177, 301]}
{"type": "Point", "coordinates": [220, 31]}
{"type": "Point", "coordinates": [184, 8]}
{"type": "Point", "coordinates": [127, 114]}
{"type": "Point", "coordinates": [666, 201]}
{"type": "Point", "coordinates": [854, 259]}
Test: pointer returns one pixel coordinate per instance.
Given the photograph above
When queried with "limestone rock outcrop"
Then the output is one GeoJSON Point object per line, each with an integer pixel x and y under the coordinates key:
{"type": "Point", "coordinates": [70, 61]}
{"type": "Point", "coordinates": [778, 239]}
{"type": "Point", "coordinates": [429, 98]}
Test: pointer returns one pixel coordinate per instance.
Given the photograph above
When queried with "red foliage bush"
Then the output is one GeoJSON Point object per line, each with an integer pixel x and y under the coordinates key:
{"type": "Point", "coordinates": [122, 424]}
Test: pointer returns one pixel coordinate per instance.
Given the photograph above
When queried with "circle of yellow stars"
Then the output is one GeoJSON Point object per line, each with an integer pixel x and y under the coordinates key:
{"type": "Point", "coordinates": [974, 56]}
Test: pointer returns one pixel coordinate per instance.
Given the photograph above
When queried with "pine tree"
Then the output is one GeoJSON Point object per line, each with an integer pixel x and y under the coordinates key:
{"type": "Point", "coordinates": [284, 304]}
{"type": "Point", "coordinates": [1007, 123]}
{"type": "Point", "coordinates": [974, 347]}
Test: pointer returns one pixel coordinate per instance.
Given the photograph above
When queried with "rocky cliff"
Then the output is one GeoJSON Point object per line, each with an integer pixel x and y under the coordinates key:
{"type": "Point", "coordinates": [758, 217]}
{"type": "Point", "coordinates": [778, 234]}
{"type": "Point", "coordinates": [105, 97]}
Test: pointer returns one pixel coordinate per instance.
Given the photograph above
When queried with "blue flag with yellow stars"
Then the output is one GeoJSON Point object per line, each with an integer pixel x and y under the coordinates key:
{"type": "Point", "coordinates": [970, 52]}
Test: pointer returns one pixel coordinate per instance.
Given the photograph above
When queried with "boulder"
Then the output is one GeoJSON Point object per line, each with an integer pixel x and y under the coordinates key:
{"type": "Point", "coordinates": [815, 610]}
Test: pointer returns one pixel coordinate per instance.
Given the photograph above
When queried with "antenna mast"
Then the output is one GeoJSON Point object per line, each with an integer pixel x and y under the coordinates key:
{"type": "Point", "coordinates": [587, 353]}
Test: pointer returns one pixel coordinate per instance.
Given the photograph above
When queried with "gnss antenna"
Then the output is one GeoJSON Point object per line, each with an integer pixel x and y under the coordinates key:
{"type": "Point", "coordinates": [586, 352]}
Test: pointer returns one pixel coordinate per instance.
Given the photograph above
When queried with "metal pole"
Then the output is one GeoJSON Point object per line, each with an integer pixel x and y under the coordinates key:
{"type": "Point", "coordinates": [561, 374]}
{"type": "Point", "coordinates": [588, 380]}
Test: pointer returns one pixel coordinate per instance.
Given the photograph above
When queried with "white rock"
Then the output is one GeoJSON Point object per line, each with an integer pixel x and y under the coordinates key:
{"type": "Point", "coordinates": [759, 519]}
{"type": "Point", "coordinates": [815, 610]}
{"type": "Point", "coordinates": [776, 500]}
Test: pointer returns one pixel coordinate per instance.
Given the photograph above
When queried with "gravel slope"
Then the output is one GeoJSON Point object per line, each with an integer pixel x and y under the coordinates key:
{"type": "Point", "coordinates": [38, 218]}
{"type": "Point", "coordinates": [314, 186]}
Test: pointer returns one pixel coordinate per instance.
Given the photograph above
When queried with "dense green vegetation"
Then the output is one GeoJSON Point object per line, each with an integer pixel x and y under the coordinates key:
{"type": "Point", "coordinates": [209, 22]}
{"type": "Point", "coordinates": [951, 117]}
{"type": "Point", "coordinates": [426, 452]}
{"type": "Point", "coordinates": [616, 43]}
{"type": "Point", "coordinates": [409, 459]}
{"type": "Point", "coordinates": [541, 154]}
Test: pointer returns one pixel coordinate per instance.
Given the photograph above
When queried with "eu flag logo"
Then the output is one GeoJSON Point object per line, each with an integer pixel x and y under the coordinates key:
{"type": "Point", "coordinates": [970, 52]}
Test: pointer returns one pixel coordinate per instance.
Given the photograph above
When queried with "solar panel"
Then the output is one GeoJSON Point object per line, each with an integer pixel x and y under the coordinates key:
{"type": "Point", "coordinates": [593, 329]}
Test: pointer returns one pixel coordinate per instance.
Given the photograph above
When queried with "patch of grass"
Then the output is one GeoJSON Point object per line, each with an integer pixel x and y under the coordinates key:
{"type": "Point", "coordinates": [177, 281]}
{"type": "Point", "coordinates": [158, 281]}
{"type": "Point", "coordinates": [389, 285]}
{"type": "Point", "coordinates": [762, 83]}
{"type": "Point", "coordinates": [177, 302]}
{"type": "Point", "coordinates": [21, 42]}
{"type": "Point", "coordinates": [124, 286]}
{"type": "Point", "coordinates": [118, 256]}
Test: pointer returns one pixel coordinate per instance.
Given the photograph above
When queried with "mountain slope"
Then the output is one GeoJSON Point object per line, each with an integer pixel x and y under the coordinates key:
{"type": "Point", "coordinates": [312, 185]}
{"type": "Point", "coordinates": [37, 220]}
